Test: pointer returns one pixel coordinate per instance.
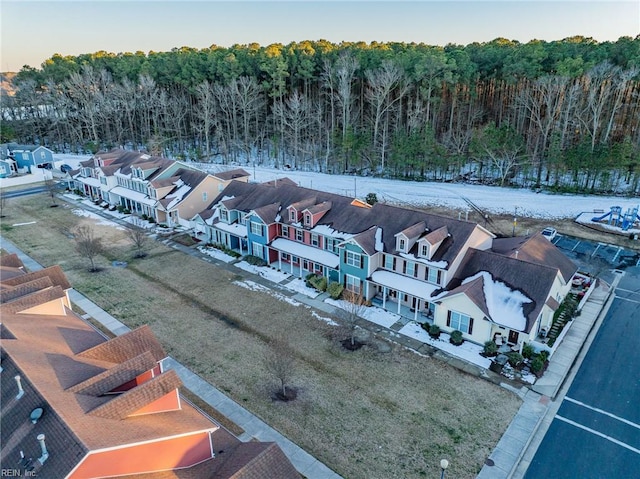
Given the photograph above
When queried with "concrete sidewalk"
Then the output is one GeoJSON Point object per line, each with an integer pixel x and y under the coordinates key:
{"type": "Point", "coordinates": [254, 428]}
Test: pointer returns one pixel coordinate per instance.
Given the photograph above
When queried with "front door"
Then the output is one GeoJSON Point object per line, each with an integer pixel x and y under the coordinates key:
{"type": "Point", "coordinates": [513, 336]}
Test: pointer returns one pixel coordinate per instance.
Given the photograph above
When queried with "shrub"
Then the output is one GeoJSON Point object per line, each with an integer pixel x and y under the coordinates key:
{"type": "Point", "coordinates": [544, 355]}
{"type": "Point", "coordinates": [334, 289]}
{"type": "Point", "coordinates": [255, 260]}
{"type": "Point", "coordinates": [151, 219]}
{"type": "Point", "coordinates": [434, 331]}
{"type": "Point", "coordinates": [144, 217]}
{"type": "Point", "coordinates": [371, 198]}
{"type": "Point", "coordinates": [515, 358]}
{"type": "Point", "coordinates": [120, 208]}
{"type": "Point", "coordinates": [537, 364]}
{"type": "Point", "coordinates": [490, 348]}
{"type": "Point", "coordinates": [456, 338]}
{"type": "Point", "coordinates": [528, 351]}
{"type": "Point", "coordinates": [320, 283]}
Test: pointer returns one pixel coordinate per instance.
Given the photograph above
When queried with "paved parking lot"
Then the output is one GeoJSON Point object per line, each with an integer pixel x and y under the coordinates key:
{"type": "Point", "coordinates": [592, 257]}
{"type": "Point", "coordinates": [596, 431]}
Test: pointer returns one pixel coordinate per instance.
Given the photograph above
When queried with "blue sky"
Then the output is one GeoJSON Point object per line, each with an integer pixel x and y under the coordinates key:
{"type": "Point", "coordinates": [33, 31]}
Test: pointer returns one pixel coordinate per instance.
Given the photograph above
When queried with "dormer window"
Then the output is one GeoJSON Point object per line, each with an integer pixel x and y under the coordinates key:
{"type": "Point", "coordinates": [224, 215]}
{"type": "Point", "coordinates": [307, 219]}
{"type": "Point", "coordinates": [424, 250]}
{"type": "Point", "coordinates": [402, 245]}
{"type": "Point", "coordinates": [292, 215]}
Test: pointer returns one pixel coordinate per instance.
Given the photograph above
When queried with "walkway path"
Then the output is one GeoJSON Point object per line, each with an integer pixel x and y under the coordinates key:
{"type": "Point", "coordinates": [508, 459]}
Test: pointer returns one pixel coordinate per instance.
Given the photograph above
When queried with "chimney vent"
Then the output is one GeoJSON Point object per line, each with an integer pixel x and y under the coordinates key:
{"type": "Point", "coordinates": [45, 454]}
{"type": "Point", "coordinates": [20, 390]}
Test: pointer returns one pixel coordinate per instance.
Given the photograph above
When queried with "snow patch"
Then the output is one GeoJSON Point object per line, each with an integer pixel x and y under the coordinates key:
{"type": "Point", "coordinates": [468, 351]}
{"type": "Point", "coordinates": [264, 271]}
{"type": "Point", "coordinates": [100, 219]}
{"type": "Point", "coordinates": [504, 304]}
{"type": "Point", "coordinates": [263, 289]}
{"type": "Point", "coordinates": [216, 253]}
{"type": "Point", "coordinates": [379, 244]}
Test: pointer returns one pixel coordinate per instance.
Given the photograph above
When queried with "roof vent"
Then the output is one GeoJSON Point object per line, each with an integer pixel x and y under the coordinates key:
{"type": "Point", "coordinates": [516, 254]}
{"type": "Point", "coordinates": [45, 454]}
{"type": "Point", "coordinates": [20, 390]}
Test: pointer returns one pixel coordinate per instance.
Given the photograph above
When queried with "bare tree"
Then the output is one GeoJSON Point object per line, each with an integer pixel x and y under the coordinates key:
{"type": "Point", "coordinates": [279, 360]}
{"type": "Point", "coordinates": [88, 244]}
{"type": "Point", "coordinates": [205, 114]}
{"type": "Point", "coordinates": [51, 189]}
{"type": "Point", "coordinates": [139, 239]}
{"type": "Point", "coordinates": [386, 86]}
{"type": "Point", "coordinates": [352, 310]}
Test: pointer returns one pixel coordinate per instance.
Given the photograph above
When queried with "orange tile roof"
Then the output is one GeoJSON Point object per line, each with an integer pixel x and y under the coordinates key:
{"type": "Point", "coordinates": [127, 346]}
{"type": "Point", "coordinates": [54, 272]}
{"type": "Point", "coordinates": [45, 350]}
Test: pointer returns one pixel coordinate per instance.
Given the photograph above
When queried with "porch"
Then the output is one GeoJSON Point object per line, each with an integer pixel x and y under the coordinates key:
{"type": "Point", "coordinates": [422, 314]}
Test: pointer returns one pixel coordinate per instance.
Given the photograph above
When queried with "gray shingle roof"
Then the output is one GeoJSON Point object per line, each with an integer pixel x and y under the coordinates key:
{"type": "Point", "coordinates": [347, 218]}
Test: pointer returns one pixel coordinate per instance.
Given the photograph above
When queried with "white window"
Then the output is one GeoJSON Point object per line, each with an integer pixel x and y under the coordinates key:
{"type": "Point", "coordinates": [434, 275]}
{"type": "Point", "coordinates": [285, 256]}
{"type": "Point", "coordinates": [256, 228]}
{"type": "Point", "coordinates": [299, 235]}
{"type": "Point", "coordinates": [204, 196]}
{"type": "Point", "coordinates": [389, 262]}
{"type": "Point", "coordinates": [328, 244]}
{"type": "Point", "coordinates": [292, 215]}
{"type": "Point", "coordinates": [307, 219]}
{"type": "Point", "coordinates": [285, 231]}
{"type": "Point", "coordinates": [43, 155]}
{"type": "Point", "coordinates": [460, 321]}
{"type": "Point", "coordinates": [103, 180]}
{"type": "Point", "coordinates": [317, 268]}
{"type": "Point", "coordinates": [305, 265]}
{"type": "Point", "coordinates": [314, 240]}
{"type": "Point", "coordinates": [410, 268]}
{"type": "Point", "coordinates": [353, 259]}
{"type": "Point", "coordinates": [401, 244]}
{"type": "Point", "coordinates": [424, 250]}
{"type": "Point", "coordinates": [352, 283]}
{"type": "Point", "coordinates": [224, 215]}
{"type": "Point", "coordinates": [256, 249]}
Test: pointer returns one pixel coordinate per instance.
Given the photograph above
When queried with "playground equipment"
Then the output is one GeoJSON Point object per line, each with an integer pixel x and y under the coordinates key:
{"type": "Point", "coordinates": [616, 218]}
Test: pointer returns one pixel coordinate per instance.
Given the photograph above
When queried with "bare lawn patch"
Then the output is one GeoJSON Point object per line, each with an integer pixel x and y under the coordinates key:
{"type": "Point", "coordinates": [366, 414]}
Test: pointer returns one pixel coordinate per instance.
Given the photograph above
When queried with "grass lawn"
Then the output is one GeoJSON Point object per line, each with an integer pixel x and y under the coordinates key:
{"type": "Point", "coordinates": [365, 414]}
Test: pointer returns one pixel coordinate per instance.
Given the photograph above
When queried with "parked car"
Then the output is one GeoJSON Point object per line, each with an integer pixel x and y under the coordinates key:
{"type": "Point", "coordinates": [65, 168]}
{"type": "Point", "coordinates": [46, 166]}
{"type": "Point", "coordinates": [549, 233]}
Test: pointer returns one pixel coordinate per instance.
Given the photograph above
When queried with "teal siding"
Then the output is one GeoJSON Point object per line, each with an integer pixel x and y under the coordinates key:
{"type": "Point", "coordinates": [359, 271]}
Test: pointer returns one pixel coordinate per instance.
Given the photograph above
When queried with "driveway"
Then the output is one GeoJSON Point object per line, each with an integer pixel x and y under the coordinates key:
{"type": "Point", "coordinates": [596, 431]}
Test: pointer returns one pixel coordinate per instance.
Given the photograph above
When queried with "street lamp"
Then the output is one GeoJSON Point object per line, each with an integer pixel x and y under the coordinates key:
{"type": "Point", "coordinates": [443, 467]}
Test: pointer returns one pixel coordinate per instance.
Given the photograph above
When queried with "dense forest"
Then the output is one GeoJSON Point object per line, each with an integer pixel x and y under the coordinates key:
{"type": "Point", "coordinates": [562, 115]}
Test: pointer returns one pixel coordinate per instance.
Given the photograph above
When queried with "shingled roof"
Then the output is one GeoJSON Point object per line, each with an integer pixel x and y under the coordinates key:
{"type": "Point", "coordinates": [231, 174]}
{"type": "Point", "coordinates": [54, 273]}
{"type": "Point", "coordinates": [538, 250]}
{"type": "Point", "coordinates": [531, 279]}
{"type": "Point", "coordinates": [346, 219]}
{"type": "Point", "coordinates": [127, 346]}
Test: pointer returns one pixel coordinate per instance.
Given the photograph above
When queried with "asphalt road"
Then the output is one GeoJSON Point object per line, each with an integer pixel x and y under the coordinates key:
{"type": "Point", "coordinates": [596, 431]}
{"type": "Point", "coordinates": [24, 192]}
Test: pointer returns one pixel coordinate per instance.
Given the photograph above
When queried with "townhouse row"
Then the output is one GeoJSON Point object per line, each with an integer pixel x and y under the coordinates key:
{"type": "Point", "coordinates": [166, 190]}
{"type": "Point", "coordinates": [425, 267]}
